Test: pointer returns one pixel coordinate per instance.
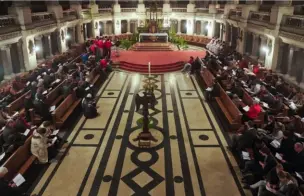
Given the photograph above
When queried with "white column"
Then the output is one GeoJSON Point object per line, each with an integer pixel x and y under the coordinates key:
{"type": "Point", "coordinates": [49, 45]}
{"type": "Point", "coordinates": [7, 61]}
{"type": "Point", "coordinates": [179, 26]}
{"type": "Point", "coordinates": [20, 56]}
{"type": "Point", "coordinates": [290, 57]}
{"type": "Point", "coordinates": [79, 33]}
{"type": "Point", "coordinates": [128, 26]}
{"type": "Point", "coordinates": [255, 46]}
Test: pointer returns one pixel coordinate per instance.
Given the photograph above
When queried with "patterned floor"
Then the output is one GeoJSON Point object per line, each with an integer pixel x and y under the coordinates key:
{"type": "Point", "coordinates": [190, 157]}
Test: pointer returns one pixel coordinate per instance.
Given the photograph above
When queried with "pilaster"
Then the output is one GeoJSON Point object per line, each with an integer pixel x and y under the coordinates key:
{"type": "Point", "coordinates": [79, 33]}
{"type": "Point", "coordinates": [7, 61]}
{"type": "Point", "coordinates": [54, 7]}
{"type": "Point", "coordinates": [179, 26]}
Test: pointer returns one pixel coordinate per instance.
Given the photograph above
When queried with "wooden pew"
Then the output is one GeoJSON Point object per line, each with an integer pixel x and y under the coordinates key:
{"type": "Point", "coordinates": [17, 105]}
{"type": "Point", "coordinates": [20, 161]}
{"type": "Point", "coordinates": [63, 111]}
{"type": "Point", "coordinates": [206, 78]}
{"type": "Point", "coordinates": [95, 77]}
{"type": "Point", "coordinates": [229, 109]}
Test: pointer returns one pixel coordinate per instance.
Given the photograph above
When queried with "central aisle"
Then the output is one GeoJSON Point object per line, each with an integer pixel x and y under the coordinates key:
{"type": "Point", "coordinates": [190, 157]}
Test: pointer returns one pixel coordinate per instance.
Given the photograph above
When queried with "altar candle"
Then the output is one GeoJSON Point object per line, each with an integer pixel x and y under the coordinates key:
{"type": "Point", "coordinates": [149, 65]}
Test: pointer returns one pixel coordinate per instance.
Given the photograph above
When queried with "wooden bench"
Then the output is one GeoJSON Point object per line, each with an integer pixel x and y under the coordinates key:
{"type": "Point", "coordinates": [94, 77]}
{"type": "Point", "coordinates": [20, 161]}
{"type": "Point", "coordinates": [229, 109]}
{"type": "Point", "coordinates": [17, 105]}
{"type": "Point", "coordinates": [64, 110]}
{"type": "Point", "coordinates": [206, 78]}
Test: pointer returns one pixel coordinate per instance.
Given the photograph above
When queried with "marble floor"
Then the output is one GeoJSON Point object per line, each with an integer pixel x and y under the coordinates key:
{"type": "Point", "coordinates": [189, 158]}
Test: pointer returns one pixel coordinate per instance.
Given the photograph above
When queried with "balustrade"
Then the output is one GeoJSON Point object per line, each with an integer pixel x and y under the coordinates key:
{"type": "Point", "coordinates": [41, 16]}
{"type": "Point", "coordinates": [202, 10]}
{"type": "Point", "coordinates": [128, 9]}
{"type": "Point", "coordinates": [260, 16]}
{"type": "Point", "coordinates": [7, 20]}
{"type": "Point", "coordinates": [293, 21]}
{"type": "Point", "coordinates": [179, 9]}
{"type": "Point", "coordinates": [67, 13]}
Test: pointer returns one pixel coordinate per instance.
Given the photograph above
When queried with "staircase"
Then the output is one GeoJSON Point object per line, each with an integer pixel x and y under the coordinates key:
{"type": "Point", "coordinates": [152, 47]}
{"type": "Point", "coordinates": [154, 68]}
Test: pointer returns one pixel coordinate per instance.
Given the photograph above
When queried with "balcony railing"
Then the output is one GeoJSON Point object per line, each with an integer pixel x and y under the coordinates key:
{"type": "Point", "coordinates": [7, 20]}
{"type": "Point", "coordinates": [220, 10]}
{"type": "Point", "coordinates": [235, 14]}
{"type": "Point", "coordinates": [67, 13]}
{"type": "Point", "coordinates": [42, 16]}
{"type": "Point", "coordinates": [260, 16]}
{"type": "Point", "coordinates": [104, 10]}
{"type": "Point", "coordinates": [293, 21]}
{"type": "Point", "coordinates": [128, 9]}
{"type": "Point", "coordinates": [202, 10]}
{"type": "Point", "coordinates": [179, 9]}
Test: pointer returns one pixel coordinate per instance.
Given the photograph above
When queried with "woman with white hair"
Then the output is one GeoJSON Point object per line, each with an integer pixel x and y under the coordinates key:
{"type": "Point", "coordinates": [41, 147]}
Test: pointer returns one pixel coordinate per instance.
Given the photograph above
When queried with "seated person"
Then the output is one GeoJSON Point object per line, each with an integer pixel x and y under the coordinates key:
{"type": "Point", "coordinates": [3, 118]}
{"type": "Point", "coordinates": [237, 89]}
{"type": "Point", "coordinates": [89, 107]}
{"type": "Point", "coordinates": [28, 104]}
{"type": "Point", "coordinates": [187, 66]}
{"type": "Point", "coordinates": [42, 108]}
{"type": "Point", "coordinates": [243, 63]}
{"type": "Point", "coordinates": [246, 139]}
{"type": "Point", "coordinates": [8, 188]}
{"type": "Point", "coordinates": [10, 139]}
{"type": "Point", "coordinates": [254, 110]}
{"type": "Point", "coordinates": [286, 148]}
{"type": "Point", "coordinates": [214, 92]}
{"type": "Point", "coordinates": [41, 146]}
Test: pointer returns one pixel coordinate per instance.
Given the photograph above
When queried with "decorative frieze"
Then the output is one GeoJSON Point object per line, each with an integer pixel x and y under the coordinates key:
{"type": "Point", "coordinates": [10, 35]}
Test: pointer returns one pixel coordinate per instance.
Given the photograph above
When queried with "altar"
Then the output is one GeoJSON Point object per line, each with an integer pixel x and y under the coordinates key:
{"type": "Point", "coordinates": [153, 37]}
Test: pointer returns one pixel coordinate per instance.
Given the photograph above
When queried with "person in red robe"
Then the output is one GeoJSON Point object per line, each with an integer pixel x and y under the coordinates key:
{"type": "Point", "coordinates": [108, 45]}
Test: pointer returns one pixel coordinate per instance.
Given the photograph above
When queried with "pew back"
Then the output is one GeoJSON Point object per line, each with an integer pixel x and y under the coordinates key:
{"type": "Point", "coordinates": [17, 104]}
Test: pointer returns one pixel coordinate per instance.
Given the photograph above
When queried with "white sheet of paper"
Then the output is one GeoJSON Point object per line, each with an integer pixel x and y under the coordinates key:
{"type": "Point", "coordinates": [233, 72]}
{"type": "Point", "coordinates": [298, 135]}
{"type": "Point", "coordinates": [91, 85]}
{"type": "Point", "coordinates": [2, 156]}
{"type": "Point", "coordinates": [50, 89]}
{"type": "Point", "coordinates": [44, 92]}
{"type": "Point", "coordinates": [278, 156]}
{"type": "Point", "coordinates": [204, 67]}
{"type": "Point", "coordinates": [228, 92]}
{"type": "Point", "coordinates": [28, 83]}
{"type": "Point", "coordinates": [87, 88]}
{"type": "Point", "coordinates": [52, 108]}
{"type": "Point", "coordinates": [257, 99]}
{"type": "Point", "coordinates": [246, 108]}
{"type": "Point", "coordinates": [54, 140]}
{"type": "Point", "coordinates": [55, 132]}
{"type": "Point", "coordinates": [58, 80]}
{"type": "Point", "coordinates": [26, 132]}
{"type": "Point", "coordinates": [245, 155]}
{"type": "Point", "coordinates": [16, 113]}
{"type": "Point", "coordinates": [293, 106]}
{"type": "Point", "coordinates": [275, 143]}
{"type": "Point", "coordinates": [209, 89]}
{"type": "Point", "coordinates": [225, 67]}
{"type": "Point", "coordinates": [299, 176]}
{"type": "Point", "coordinates": [18, 180]}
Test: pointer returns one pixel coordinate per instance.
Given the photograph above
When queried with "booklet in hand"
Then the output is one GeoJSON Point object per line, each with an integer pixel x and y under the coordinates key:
{"type": "Point", "coordinates": [299, 176]}
{"type": "Point", "coordinates": [2, 156]}
{"type": "Point", "coordinates": [246, 108]}
{"type": "Point", "coordinates": [209, 89]}
{"type": "Point", "coordinates": [245, 155]}
{"type": "Point", "coordinates": [278, 156]}
{"type": "Point", "coordinates": [55, 132]}
{"type": "Point", "coordinates": [52, 108]}
{"type": "Point", "coordinates": [26, 132]}
{"type": "Point", "coordinates": [275, 144]}
{"type": "Point", "coordinates": [18, 180]}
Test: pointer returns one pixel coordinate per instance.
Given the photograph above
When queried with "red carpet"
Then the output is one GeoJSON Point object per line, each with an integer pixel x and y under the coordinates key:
{"type": "Point", "coordinates": [161, 61]}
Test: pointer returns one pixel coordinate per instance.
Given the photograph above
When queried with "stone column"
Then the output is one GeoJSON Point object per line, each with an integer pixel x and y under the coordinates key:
{"type": "Point", "coordinates": [255, 46]}
{"type": "Point", "coordinates": [128, 26]}
{"type": "Point", "coordinates": [39, 45]}
{"type": "Point", "coordinates": [7, 61]}
{"type": "Point", "coordinates": [294, 66]}
{"type": "Point", "coordinates": [290, 57]}
{"type": "Point", "coordinates": [48, 45]}
{"type": "Point", "coordinates": [79, 32]}
{"type": "Point", "coordinates": [179, 26]}
{"type": "Point", "coordinates": [280, 57]}
{"type": "Point", "coordinates": [20, 56]}
{"type": "Point", "coordinates": [263, 54]}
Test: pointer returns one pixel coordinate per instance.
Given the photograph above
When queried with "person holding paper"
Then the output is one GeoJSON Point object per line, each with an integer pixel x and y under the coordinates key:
{"type": "Point", "coordinates": [287, 146]}
{"type": "Point", "coordinates": [215, 92]}
{"type": "Point", "coordinates": [254, 110]}
{"type": "Point", "coordinates": [8, 188]}
{"type": "Point", "coordinates": [42, 108]}
{"type": "Point", "coordinates": [245, 139]}
{"type": "Point", "coordinates": [40, 146]}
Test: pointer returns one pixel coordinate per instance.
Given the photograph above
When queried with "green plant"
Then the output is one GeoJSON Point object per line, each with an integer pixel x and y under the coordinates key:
{"type": "Point", "coordinates": [126, 44]}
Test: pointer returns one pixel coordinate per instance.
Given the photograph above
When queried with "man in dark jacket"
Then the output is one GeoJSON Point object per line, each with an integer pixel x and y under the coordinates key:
{"type": "Point", "coordinates": [89, 107]}
{"type": "Point", "coordinates": [246, 139]}
{"type": "Point", "coordinates": [6, 188]}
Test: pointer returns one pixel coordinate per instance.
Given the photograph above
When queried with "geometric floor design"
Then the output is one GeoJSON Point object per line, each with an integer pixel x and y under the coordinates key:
{"type": "Point", "coordinates": [189, 158]}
